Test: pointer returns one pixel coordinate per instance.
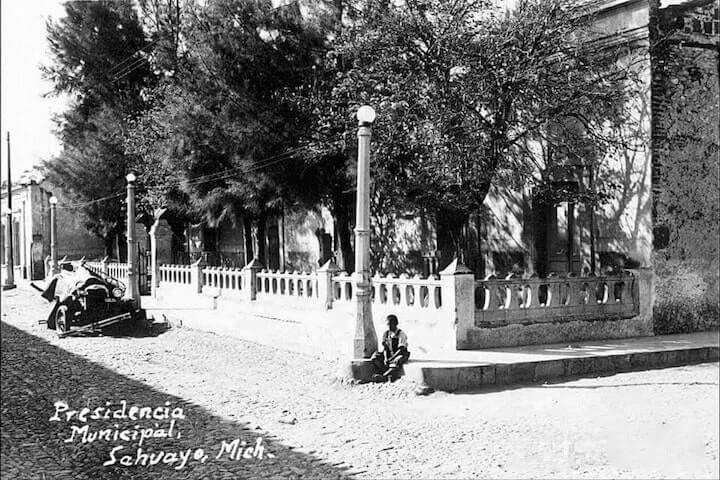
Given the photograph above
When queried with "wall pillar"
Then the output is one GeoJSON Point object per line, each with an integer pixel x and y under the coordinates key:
{"type": "Point", "coordinates": [458, 302]}
{"type": "Point", "coordinates": [196, 275]}
{"type": "Point", "coordinates": [160, 250]}
{"type": "Point", "coordinates": [644, 297]}
{"type": "Point", "coordinates": [249, 279]}
{"type": "Point", "coordinates": [325, 276]}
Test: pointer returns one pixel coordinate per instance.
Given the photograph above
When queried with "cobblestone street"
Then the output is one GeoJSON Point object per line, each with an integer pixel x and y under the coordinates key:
{"type": "Point", "coordinates": [656, 424]}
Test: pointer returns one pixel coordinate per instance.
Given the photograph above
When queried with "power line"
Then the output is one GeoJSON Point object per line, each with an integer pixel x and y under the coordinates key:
{"type": "Point", "coordinates": [232, 171]}
{"type": "Point", "coordinates": [89, 202]}
{"type": "Point", "coordinates": [134, 66]}
{"type": "Point", "coordinates": [117, 67]}
{"type": "Point", "coordinates": [218, 176]}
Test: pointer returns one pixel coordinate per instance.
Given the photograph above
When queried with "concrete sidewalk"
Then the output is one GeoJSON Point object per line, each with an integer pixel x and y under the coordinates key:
{"type": "Point", "coordinates": [326, 335]}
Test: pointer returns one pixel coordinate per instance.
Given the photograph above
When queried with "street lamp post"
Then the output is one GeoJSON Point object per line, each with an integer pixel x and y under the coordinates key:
{"type": "Point", "coordinates": [9, 260]}
{"type": "Point", "coordinates": [365, 341]}
{"type": "Point", "coordinates": [9, 270]}
{"type": "Point", "coordinates": [53, 235]}
{"type": "Point", "coordinates": [132, 290]}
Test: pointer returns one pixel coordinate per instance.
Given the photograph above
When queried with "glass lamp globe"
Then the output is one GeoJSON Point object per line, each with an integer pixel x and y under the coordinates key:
{"type": "Point", "coordinates": [130, 177]}
{"type": "Point", "coordinates": [366, 114]}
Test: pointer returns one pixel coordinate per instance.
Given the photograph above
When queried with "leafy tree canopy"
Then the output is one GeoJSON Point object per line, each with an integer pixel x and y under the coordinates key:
{"type": "Point", "coordinates": [468, 96]}
{"type": "Point", "coordinates": [221, 128]}
{"type": "Point", "coordinates": [98, 59]}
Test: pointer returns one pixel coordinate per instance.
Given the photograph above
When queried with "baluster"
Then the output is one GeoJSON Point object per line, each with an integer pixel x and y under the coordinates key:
{"type": "Point", "coordinates": [534, 291]}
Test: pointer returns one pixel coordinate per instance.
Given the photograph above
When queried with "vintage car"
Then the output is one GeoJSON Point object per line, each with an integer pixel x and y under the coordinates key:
{"type": "Point", "coordinates": [85, 301]}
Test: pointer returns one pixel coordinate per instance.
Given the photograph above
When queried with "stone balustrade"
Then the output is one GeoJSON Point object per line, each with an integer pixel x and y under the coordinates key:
{"type": "Point", "coordinates": [175, 274]}
{"type": "Point", "coordinates": [343, 288]}
{"type": "Point", "coordinates": [222, 278]}
{"type": "Point", "coordinates": [451, 310]}
{"type": "Point", "coordinates": [118, 270]}
{"type": "Point", "coordinates": [95, 266]}
{"type": "Point", "coordinates": [286, 284]}
{"type": "Point", "coordinates": [501, 302]}
{"type": "Point", "coordinates": [402, 292]}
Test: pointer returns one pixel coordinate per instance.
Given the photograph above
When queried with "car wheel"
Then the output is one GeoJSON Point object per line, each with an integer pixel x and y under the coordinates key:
{"type": "Point", "coordinates": [51, 317]}
{"type": "Point", "coordinates": [62, 320]}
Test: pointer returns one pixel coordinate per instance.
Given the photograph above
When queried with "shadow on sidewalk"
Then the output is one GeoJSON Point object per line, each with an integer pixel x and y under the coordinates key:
{"type": "Point", "coordinates": [35, 375]}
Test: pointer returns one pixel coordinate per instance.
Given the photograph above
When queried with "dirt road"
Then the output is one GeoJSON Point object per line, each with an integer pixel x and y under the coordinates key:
{"type": "Point", "coordinates": [656, 424]}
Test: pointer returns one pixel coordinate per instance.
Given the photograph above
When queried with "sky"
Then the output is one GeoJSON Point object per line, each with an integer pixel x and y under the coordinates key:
{"type": "Point", "coordinates": [24, 112]}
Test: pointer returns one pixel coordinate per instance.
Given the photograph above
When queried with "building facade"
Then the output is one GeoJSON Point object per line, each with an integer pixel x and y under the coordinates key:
{"type": "Point", "coordinates": [31, 228]}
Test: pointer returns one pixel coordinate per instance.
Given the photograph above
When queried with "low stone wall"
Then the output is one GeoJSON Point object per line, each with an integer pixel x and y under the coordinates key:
{"type": "Point", "coordinates": [428, 318]}
{"type": "Point", "coordinates": [592, 308]}
{"type": "Point", "coordinates": [440, 312]}
{"type": "Point", "coordinates": [288, 285]}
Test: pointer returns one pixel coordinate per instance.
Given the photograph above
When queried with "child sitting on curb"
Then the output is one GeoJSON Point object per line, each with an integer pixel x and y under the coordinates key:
{"type": "Point", "coordinates": [394, 352]}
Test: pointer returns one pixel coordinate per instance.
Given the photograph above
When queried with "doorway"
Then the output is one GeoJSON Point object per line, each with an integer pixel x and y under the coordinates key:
{"type": "Point", "coordinates": [556, 230]}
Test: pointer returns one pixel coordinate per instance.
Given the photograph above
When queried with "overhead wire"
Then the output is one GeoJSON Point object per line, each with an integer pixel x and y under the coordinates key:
{"type": "Point", "coordinates": [266, 162]}
{"type": "Point", "coordinates": [121, 69]}
{"type": "Point", "coordinates": [218, 176]}
{"type": "Point", "coordinates": [135, 66]}
{"type": "Point", "coordinates": [118, 65]}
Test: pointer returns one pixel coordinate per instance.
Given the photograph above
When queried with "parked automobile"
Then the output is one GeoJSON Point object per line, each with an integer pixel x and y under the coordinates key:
{"type": "Point", "coordinates": [85, 301]}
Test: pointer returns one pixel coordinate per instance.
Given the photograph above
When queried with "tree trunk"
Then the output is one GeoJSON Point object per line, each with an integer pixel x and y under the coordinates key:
{"type": "Point", "coordinates": [109, 241]}
{"type": "Point", "coordinates": [452, 235]}
{"type": "Point", "coordinates": [258, 239]}
{"type": "Point", "coordinates": [248, 237]}
{"type": "Point", "coordinates": [121, 247]}
{"type": "Point", "coordinates": [343, 234]}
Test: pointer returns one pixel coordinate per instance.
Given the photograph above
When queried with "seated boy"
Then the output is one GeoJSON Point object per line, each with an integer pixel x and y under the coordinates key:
{"type": "Point", "coordinates": [394, 350]}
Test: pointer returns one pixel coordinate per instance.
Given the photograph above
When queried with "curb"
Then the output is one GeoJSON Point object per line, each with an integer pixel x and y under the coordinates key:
{"type": "Point", "coordinates": [455, 379]}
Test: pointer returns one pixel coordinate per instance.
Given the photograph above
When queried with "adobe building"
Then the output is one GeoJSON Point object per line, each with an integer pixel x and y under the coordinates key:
{"type": "Point", "coordinates": [31, 228]}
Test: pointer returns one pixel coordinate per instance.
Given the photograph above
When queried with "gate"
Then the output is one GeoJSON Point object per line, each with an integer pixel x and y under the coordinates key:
{"type": "Point", "coordinates": [144, 275]}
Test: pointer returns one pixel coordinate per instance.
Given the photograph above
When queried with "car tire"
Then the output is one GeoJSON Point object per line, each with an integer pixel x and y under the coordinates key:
{"type": "Point", "coordinates": [62, 320]}
{"type": "Point", "coordinates": [51, 316]}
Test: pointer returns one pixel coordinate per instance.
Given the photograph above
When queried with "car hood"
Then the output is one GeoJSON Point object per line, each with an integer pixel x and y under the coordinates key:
{"type": "Point", "coordinates": [63, 284]}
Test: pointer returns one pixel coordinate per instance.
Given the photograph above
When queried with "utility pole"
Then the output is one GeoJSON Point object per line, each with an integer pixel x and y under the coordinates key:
{"type": "Point", "coordinates": [10, 273]}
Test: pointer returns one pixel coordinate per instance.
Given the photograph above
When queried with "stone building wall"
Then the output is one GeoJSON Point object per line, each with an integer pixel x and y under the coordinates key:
{"type": "Point", "coordinates": [74, 240]}
{"type": "Point", "coordinates": [31, 204]}
{"type": "Point", "coordinates": [686, 151]}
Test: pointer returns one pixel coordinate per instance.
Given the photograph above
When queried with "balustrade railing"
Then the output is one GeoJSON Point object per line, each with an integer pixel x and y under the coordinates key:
{"type": "Point", "coordinates": [175, 274]}
{"type": "Point", "coordinates": [118, 271]}
{"type": "Point", "coordinates": [402, 292]}
{"type": "Point", "coordinates": [94, 266]}
{"type": "Point", "coordinates": [497, 302]}
{"type": "Point", "coordinates": [222, 278]}
{"type": "Point", "coordinates": [287, 284]}
{"type": "Point", "coordinates": [500, 302]}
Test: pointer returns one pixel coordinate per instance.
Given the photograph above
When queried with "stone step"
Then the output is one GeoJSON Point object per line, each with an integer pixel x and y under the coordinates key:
{"type": "Point", "coordinates": [455, 377]}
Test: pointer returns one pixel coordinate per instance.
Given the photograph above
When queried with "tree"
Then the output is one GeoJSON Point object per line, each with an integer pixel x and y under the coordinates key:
{"type": "Point", "coordinates": [220, 127]}
{"type": "Point", "coordinates": [466, 94]}
{"type": "Point", "coordinates": [97, 53]}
